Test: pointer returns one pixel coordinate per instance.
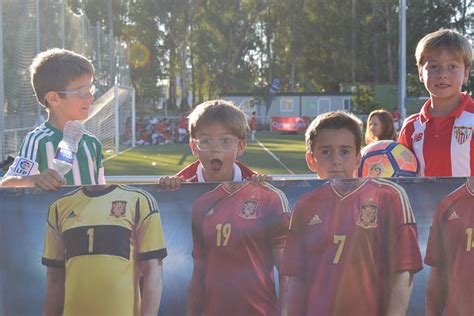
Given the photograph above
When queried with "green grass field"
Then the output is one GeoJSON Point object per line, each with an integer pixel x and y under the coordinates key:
{"type": "Point", "coordinates": [169, 159]}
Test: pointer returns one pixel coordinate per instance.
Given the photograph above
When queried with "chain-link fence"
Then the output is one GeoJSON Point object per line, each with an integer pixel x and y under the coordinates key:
{"type": "Point", "coordinates": [31, 26]}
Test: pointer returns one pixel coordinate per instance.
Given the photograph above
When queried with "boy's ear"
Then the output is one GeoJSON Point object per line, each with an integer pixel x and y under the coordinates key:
{"type": "Point", "coordinates": [467, 71]}
{"type": "Point", "coordinates": [420, 74]}
{"type": "Point", "coordinates": [310, 162]}
{"type": "Point", "coordinates": [52, 97]}
{"type": "Point", "coordinates": [193, 147]}
{"type": "Point", "coordinates": [241, 145]}
{"type": "Point", "coordinates": [358, 160]}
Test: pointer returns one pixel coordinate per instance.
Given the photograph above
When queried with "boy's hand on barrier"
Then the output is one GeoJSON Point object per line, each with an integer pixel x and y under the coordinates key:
{"type": "Point", "coordinates": [259, 179]}
{"type": "Point", "coordinates": [171, 183]}
{"type": "Point", "coordinates": [48, 180]}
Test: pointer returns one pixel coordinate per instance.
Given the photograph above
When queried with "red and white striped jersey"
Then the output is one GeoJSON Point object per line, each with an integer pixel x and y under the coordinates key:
{"type": "Point", "coordinates": [442, 145]}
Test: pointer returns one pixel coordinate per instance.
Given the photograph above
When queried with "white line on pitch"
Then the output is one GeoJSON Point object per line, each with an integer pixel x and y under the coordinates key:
{"type": "Point", "coordinates": [115, 155]}
{"type": "Point", "coordinates": [274, 156]}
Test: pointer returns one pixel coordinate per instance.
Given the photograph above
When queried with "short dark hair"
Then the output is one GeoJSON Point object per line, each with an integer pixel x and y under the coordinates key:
{"type": "Point", "coordinates": [334, 120]}
{"type": "Point", "coordinates": [54, 69]}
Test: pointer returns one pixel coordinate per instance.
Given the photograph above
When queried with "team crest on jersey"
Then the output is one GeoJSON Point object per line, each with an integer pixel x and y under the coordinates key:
{"type": "Point", "coordinates": [462, 133]}
{"type": "Point", "coordinates": [417, 137]}
{"type": "Point", "coordinates": [23, 167]}
{"type": "Point", "coordinates": [249, 210]}
{"type": "Point", "coordinates": [118, 209]}
{"type": "Point", "coordinates": [367, 216]}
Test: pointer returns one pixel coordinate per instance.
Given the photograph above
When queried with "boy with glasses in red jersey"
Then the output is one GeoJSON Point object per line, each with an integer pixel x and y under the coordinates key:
{"type": "Point", "coordinates": [62, 81]}
{"type": "Point", "coordinates": [239, 228]}
{"type": "Point", "coordinates": [217, 138]}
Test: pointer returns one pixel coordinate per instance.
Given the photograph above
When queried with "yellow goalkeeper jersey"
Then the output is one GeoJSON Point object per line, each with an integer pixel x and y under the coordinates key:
{"type": "Point", "coordinates": [100, 237]}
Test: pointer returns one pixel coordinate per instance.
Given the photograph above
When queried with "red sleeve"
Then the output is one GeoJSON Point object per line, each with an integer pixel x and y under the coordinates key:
{"type": "Point", "coordinates": [406, 133]}
{"type": "Point", "coordinates": [198, 237]}
{"type": "Point", "coordinates": [247, 173]}
{"type": "Point", "coordinates": [278, 214]}
{"type": "Point", "coordinates": [293, 256]}
{"type": "Point", "coordinates": [404, 250]}
{"type": "Point", "coordinates": [435, 254]}
{"type": "Point", "coordinates": [189, 173]}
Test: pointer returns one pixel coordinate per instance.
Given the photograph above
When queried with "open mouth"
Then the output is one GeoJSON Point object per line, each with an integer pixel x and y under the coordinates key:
{"type": "Point", "coordinates": [216, 165]}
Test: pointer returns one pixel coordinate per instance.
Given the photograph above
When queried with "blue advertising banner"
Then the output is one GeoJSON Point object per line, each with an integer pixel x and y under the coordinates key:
{"type": "Point", "coordinates": [23, 223]}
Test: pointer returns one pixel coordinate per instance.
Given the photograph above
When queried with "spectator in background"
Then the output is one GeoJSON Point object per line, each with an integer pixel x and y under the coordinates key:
{"type": "Point", "coordinates": [380, 127]}
{"type": "Point", "coordinates": [253, 124]}
{"type": "Point", "coordinates": [183, 129]}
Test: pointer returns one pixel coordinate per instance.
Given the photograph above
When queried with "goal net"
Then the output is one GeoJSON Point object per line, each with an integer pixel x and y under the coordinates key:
{"type": "Point", "coordinates": [111, 119]}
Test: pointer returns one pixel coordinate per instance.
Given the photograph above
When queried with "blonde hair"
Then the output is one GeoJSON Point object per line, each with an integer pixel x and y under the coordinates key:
{"type": "Point", "coordinates": [54, 69]}
{"type": "Point", "coordinates": [450, 40]}
{"type": "Point", "coordinates": [388, 128]}
{"type": "Point", "coordinates": [334, 120]}
{"type": "Point", "coordinates": [219, 111]}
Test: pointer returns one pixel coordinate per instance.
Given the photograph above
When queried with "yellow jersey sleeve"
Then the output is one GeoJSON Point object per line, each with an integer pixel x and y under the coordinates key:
{"type": "Point", "coordinates": [149, 231]}
{"type": "Point", "coordinates": [54, 249]}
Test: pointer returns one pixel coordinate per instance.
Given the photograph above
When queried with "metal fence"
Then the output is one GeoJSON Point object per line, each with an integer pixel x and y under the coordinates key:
{"type": "Point", "coordinates": [31, 26]}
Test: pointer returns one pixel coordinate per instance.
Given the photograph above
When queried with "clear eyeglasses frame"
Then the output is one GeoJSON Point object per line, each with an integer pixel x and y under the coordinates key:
{"type": "Point", "coordinates": [83, 92]}
{"type": "Point", "coordinates": [206, 144]}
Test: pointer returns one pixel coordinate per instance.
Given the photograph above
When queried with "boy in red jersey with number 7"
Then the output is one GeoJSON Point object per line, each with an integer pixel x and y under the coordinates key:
{"type": "Point", "coordinates": [440, 135]}
{"type": "Point", "coordinates": [352, 248]}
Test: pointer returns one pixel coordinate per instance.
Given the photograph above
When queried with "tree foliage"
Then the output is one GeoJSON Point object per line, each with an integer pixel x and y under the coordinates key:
{"type": "Point", "coordinates": [209, 46]}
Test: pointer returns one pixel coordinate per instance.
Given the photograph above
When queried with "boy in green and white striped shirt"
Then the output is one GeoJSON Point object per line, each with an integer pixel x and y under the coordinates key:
{"type": "Point", "coordinates": [62, 81]}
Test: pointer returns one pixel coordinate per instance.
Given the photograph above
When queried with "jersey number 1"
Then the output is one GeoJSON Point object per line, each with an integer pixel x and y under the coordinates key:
{"type": "Point", "coordinates": [90, 234]}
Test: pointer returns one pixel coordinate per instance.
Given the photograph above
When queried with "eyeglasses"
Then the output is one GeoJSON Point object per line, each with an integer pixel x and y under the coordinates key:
{"type": "Point", "coordinates": [83, 92]}
{"type": "Point", "coordinates": [225, 144]}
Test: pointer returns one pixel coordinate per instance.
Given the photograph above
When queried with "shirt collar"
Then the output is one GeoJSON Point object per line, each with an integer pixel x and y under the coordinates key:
{"type": "Point", "coordinates": [426, 115]}
{"type": "Point", "coordinates": [237, 173]}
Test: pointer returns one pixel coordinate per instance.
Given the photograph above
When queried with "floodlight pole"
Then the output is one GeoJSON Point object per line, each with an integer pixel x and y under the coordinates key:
{"type": "Point", "coordinates": [38, 49]}
{"type": "Point", "coordinates": [134, 136]}
{"type": "Point", "coordinates": [2, 97]}
{"type": "Point", "coordinates": [112, 80]}
{"type": "Point", "coordinates": [402, 77]}
{"type": "Point", "coordinates": [63, 26]}
{"type": "Point", "coordinates": [117, 118]}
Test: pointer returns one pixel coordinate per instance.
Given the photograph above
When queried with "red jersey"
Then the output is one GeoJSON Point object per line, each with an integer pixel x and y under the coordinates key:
{"type": "Point", "coordinates": [346, 247]}
{"type": "Point", "coordinates": [235, 234]}
{"type": "Point", "coordinates": [193, 172]}
{"type": "Point", "coordinates": [443, 145]}
{"type": "Point", "coordinates": [253, 123]}
{"type": "Point", "coordinates": [183, 122]}
{"type": "Point", "coordinates": [451, 248]}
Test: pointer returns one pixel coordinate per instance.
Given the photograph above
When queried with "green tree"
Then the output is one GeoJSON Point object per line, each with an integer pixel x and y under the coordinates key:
{"type": "Point", "coordinates": [363, 100]}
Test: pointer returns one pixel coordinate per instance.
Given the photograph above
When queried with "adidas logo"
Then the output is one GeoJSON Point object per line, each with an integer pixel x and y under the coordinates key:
{"type": "Point", "coordinates": [315, 220]}
{"type": "Point", "coordinates": [210, 212]}
{"type": "Point", "coordinates": [452, 216]}
{"type": "Point", "coordinates": [71, 215]}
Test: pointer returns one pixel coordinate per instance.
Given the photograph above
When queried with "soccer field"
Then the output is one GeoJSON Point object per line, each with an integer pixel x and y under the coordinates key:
{"type": "Point", "coordinates": [284, 155]}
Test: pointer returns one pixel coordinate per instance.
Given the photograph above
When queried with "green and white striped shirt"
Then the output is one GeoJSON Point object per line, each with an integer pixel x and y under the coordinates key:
{"type": "Point", "coordinates": [38, 150]}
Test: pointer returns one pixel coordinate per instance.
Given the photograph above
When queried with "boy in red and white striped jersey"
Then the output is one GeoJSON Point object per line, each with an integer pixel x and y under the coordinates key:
{"type": "Point", "coordinates": [440, 135]}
